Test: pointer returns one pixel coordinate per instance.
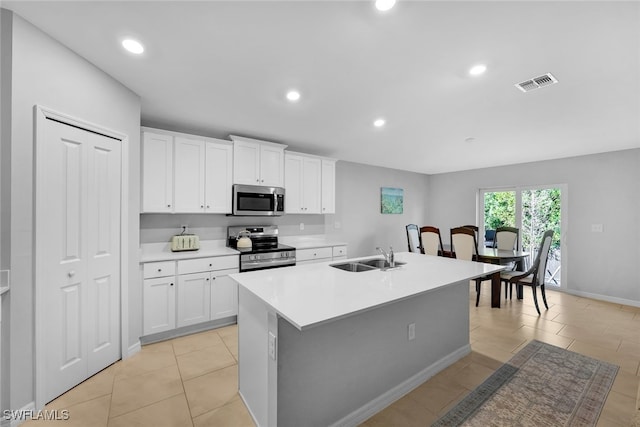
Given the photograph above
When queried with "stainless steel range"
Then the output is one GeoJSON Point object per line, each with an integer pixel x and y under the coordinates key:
{"type": "Point", "coordinates": [265, 251]}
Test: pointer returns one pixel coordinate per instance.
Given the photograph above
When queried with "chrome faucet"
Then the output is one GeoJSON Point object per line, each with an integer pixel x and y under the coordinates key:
{"type": "Point", "coordinates": [389, 257]}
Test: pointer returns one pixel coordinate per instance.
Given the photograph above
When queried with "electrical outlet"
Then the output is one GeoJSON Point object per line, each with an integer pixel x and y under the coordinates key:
{"type": "Point", "coordinates": [302, 226]}
{"type": "Point", "coordinates": [272, 346]}
{"type": "Point", "coordinates": [596, 228]}
{"type": "Point", "coordinates": [411, 331]}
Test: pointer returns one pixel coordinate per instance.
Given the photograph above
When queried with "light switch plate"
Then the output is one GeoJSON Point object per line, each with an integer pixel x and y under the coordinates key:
{"type": "Point", "coordinates": [596, 228]}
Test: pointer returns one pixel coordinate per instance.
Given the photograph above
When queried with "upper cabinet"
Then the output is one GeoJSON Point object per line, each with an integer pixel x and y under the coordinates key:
{"type": "Point", "coordinates": [199, 173]}
{"type": "Point", "coordinates": [309, 184]}
{"type": "Point", "coordinates": [257, 162]}
{"type": "Point", "coordinates": [157, 172]}
{"type": "Point", "coordinates": [328, 186]}
{"type": "Point", "coordinates": [302, 182]}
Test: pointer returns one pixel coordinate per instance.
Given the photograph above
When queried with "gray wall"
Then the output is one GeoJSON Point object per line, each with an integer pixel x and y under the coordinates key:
{"type": "Point", "coordinates": [358, 215]}
{"type": "Point", "coordinates": [45, 72]}
{"type": "Point", "coordinates": [602, 188]}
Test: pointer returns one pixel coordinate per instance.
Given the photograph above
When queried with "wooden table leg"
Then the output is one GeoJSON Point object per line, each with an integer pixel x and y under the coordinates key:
{"type": "Point", "coordinates": [495, 289]}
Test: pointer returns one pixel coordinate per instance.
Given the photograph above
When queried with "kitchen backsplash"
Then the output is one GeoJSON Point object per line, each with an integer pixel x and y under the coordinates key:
{"type": "Point", "coordinates": [156, 228]}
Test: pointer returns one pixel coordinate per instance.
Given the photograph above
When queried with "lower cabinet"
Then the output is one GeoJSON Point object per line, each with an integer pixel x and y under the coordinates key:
{"type": "Point", "coordinates": [198, 290]}
{"type": "Point", "coordinates": [194, 299]}
{"type": "Point", "coordinates": [159, 305]}
{"type": "Point", "coordinates": [320, 254]}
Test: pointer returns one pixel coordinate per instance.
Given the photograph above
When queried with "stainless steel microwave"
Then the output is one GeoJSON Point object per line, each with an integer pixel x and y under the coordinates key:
{"type": "Point", "coordinates": [256, 200]}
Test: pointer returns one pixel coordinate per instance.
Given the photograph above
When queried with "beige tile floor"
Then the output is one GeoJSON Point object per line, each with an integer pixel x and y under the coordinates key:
{"type": "Point", "coordinates": [192, 381]}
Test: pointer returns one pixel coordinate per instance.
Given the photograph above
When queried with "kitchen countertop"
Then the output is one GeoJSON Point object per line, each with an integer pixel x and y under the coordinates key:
{"type": "Point", "coordinates": [313, 294]}
{"type": "Point", "coordinates": [151, 252]}
{"type": "Point", "coordinates": [310, 241]}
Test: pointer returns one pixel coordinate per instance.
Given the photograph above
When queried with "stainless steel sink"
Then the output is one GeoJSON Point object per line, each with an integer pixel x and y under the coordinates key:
{"type": "Point", "coordinates": [353, 266]}
{"type": "Point", "coordinates": [380, 263]}
{"type": "Point", "coordinates": [366, 265]}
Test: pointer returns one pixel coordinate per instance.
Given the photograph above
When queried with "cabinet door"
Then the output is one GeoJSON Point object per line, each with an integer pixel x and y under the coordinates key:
{"type": "Point", "coordinates": [194, 298]}
{"type": "Point", "coordinates": [224, 294]}
{"type": "Point", "coordinates": [219, 176]}
{"type": "Point", "coordinates": [271, 166]}
{"type": "Point", "coordinates": [312, 185]}
{"type": "Point", "coordinates": [293, 183]}
{"type": "Point", "coordinates": [328, 186]}
{"type": "Point", "coordinates": [246, 163]}
{"type": "Point", "coordinates": [159, 305]}
{"type": "Point", "coordinates": [157, 172]}
{"type": "Point", "coordinates": [189, 175]}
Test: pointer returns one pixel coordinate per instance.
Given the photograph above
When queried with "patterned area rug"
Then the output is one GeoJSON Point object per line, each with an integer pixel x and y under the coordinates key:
{"type": "Point", "coordinates": [542, 385]}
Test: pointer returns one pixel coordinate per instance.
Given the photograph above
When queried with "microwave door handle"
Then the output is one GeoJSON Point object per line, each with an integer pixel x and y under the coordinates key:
{"type": "Point", "coordinates": [275, 202]}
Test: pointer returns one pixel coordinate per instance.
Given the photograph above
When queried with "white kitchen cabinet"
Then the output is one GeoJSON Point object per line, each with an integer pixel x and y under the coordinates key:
{"type": "Point", "coordinates": [328, 186]}
{"type": "Point", "coordinates": [159, 305]}
{"type": "Point", "coordinates": [157, 172]}
{"type": "Point", "coordinates": [193, 299]}
{"type": "Point", "coordinates": [185, 173]}
{"type": "Point", "coordinates": [339, 252]}
{"type": "Point", "coordinates": [257, 162]}
{"type": "Point", "coordinates": [308, 256]}
{"type": "Point", "coordinates": [224, 294]}
{"type": "Point", "coordinates": [202, 175]}
{"type": "Point", "coordinates": [218, 176]}
{"type": "Point", "coordinates": [189, 175]}
{"type": "Point", "coordinates": [302, 183]}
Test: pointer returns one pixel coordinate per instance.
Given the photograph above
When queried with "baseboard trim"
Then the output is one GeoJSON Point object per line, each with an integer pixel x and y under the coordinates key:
{"type": "Point", "coordinates": [133, 349]}
{"type": "Point", "coordinates": [599, 297]}
{"type": "Point", "coordinates": [18, 417]}
{"type": "Point", "coordinates": [376, 405]}
{"type": "Point", "coordinates": [188, 330]}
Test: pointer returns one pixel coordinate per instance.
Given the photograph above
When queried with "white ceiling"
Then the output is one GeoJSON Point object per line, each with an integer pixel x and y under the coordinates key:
{"type": "Point", "coordinates": [222, 67]}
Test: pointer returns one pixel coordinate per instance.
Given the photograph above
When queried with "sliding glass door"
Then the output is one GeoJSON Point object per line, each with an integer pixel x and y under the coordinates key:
{"type": "Point", "coordinates": [533, 210]}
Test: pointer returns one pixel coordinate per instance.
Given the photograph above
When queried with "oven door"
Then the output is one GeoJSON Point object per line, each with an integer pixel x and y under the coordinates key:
{"type": "Point", "coordinates": [253, 200]}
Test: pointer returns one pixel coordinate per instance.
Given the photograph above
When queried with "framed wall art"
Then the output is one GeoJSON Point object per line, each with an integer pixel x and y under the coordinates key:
{"type": "Point", "coordinates": [391, 200]}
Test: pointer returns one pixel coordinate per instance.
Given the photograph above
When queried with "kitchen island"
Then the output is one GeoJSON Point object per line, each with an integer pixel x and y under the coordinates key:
{"type": "Point", "coordinates": [323, 346]}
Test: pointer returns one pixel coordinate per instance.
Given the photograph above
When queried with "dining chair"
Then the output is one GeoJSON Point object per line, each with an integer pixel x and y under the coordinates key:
{"type": "Point", "coordinates": [413, 238]}
{"type": "Point", "coordinates": [465, 246]}
{"type": "Point", "coordinates": [534, 277]}
{"type": "Point", "coordinates": [431, 240]}
{"type": "Point", "coordinates": [506, 239]}
{"type": "Point", "coordinates": [475, 229]}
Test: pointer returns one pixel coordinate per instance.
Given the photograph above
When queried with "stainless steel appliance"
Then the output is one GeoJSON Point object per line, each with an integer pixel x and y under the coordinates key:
{"type": "Point", "coordinates": [265, 251]}
{"type": "Point", "coordinates": [256, 200]}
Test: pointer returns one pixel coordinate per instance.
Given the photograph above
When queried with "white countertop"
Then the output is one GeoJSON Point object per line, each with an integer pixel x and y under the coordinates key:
{"type": "Point", "coordinates": [150, 252]}
{"type": "Point", "coordinates": [312, 294]}
{"type": "Point", "coordinates": [310, 241]}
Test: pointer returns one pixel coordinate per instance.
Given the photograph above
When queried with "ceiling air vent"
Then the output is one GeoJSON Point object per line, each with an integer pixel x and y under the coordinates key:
{"type": "Point", "coordinates": [537, 82]}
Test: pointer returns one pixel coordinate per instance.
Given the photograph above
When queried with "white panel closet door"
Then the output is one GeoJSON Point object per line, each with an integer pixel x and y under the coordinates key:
{"type": "Point", "coordinates": [82, 261]}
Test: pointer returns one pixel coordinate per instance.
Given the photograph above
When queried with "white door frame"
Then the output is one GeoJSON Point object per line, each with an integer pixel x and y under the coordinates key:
{"type": "Point", "coordinates": [41, 115]}
{"type": "Point", "coordinates": [564, 220]}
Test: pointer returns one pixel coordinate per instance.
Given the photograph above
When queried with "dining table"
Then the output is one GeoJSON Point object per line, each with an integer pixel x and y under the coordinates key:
{"type": "Point", "coordinates": [497, 256]}
{"type": "Point", "coordinates": [502, 257]}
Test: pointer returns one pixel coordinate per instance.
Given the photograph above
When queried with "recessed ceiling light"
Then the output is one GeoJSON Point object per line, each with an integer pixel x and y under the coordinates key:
{"type": "Point", "coordinates": [476, 70]}
{"type": "Point", "coordinates": [133, 46]}
{"type": "Point", "coordinates": [384, 5]}
{"type": "Point", "coordinates": [293, 95]}
{"type": "Point", "coordinates": [379, 122]}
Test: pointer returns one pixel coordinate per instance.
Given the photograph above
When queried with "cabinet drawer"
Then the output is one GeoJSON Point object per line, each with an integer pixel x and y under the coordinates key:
{"type": "Point", "coordinates": [314, 254]}
{"type": "Point", "coordinates": [208, 264]}
{"type": "Point", "coordinates": [158, 269]}
{"type": "Point", "coordinates": [339, 251]}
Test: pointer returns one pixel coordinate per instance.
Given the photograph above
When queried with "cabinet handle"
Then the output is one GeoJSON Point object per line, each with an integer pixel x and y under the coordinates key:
{"type": "Point", "coordinates": [168, 206]}
{"type": "Point", "coordinates": [213, 278]}
{"type": "Point", "coordinates": [210, 265]}
{"type": "Point", "coordinates": [159, 270]}
{"type": "Point", "coordinates": [208, 206]}
{"type": "Point", "coordinates": [207, 279]}
{"type": "Point", "coordinates": [71, 273]}
{"type": "Point", "coordinates": [201, 206]}
{"type": "Point", "coordinates": [257, 180]}
{"type": "Point", "coordinates": [171, 284]}
{"type": "Point", "coordinates": [262, 180]}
